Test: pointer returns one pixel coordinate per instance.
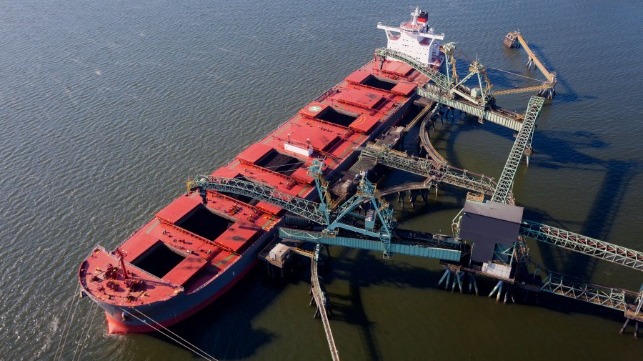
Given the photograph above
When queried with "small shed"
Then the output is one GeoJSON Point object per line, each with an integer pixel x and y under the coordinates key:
{"type": "Point", "coordinates": [488, 224]}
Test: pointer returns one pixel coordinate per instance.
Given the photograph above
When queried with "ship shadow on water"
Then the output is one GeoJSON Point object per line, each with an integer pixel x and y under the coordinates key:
{"type": "Point", "coordinates": [224, 329]}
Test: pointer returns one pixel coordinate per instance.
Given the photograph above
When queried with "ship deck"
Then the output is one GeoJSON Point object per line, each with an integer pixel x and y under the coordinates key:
{"type": "Point", "coordinates": [188, 243]}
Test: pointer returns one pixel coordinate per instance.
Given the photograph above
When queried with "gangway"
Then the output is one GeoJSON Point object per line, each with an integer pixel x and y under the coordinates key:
{"type": "Point", "coordinates": [614, 298]}
{"type": "Point", "coordinates": [321, 302]}
{"type": "Point", "coordinates": [628, 302]}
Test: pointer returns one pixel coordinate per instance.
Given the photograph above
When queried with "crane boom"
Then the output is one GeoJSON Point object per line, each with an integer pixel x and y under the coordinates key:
{"type": "Point", "coordinates": [522, 90]}
{"type": "Point", "coordinates": [513, 40]}
{"type": "Point", "coordinates": [550, 76]}
{"type": "Point", "coordinates": [296, 205]}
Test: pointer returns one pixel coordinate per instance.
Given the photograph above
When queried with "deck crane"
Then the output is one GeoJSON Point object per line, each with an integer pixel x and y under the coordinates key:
{"type": "Point", "coordinates": [480, 95]}
{"type": "Point", "coordinates": [363, 221]}
{"type": "Point", "coordinates": [444, 89]}
{"type": "Point", "coordinates": [514, 40]}
{"type": "Point", "coordinates": [346, 225]}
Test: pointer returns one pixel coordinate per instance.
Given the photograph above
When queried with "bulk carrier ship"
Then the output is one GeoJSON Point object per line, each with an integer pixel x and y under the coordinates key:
{"type": "Point", "coordinates": [196, 248]}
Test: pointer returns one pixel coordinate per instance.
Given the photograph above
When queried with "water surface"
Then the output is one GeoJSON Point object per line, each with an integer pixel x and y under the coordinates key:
{"type": "Point", "coordinates": [107, 106]}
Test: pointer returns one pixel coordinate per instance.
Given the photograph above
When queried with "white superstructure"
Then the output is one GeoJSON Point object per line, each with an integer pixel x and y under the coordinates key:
{"type": "Point", "coordinates": [415, 39]}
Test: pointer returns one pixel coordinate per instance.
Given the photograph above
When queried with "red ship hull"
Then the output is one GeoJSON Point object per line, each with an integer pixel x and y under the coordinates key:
{"type": "Point", "coordinates": [192, 252]}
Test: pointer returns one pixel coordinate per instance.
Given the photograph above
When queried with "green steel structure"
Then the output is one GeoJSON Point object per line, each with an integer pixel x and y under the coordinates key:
{"type": "Point", "coordinates": [296, 205]}
{"type": "Point", "coordinates": [502, 117]}
{"type": "Point", "coordinates": [438, 173]}
{"type": "Point", "coordinates": [443, 90]}
{"type": "Point", "coordinates": [522, 142]}
{"type": "Point", "coordinates": [442, 250]}
{"type": "Point", "coordinates": [366, 222]}
{"type": "Point", "coordinates": [582, 244]}
{"type": "Point", "coordinates": [375, 224]}
{"type": "Point", "coordinates": [321, 302]}
{"type": "Point", "coordinates": [412, 186]}
{"type": "Point", "coordinates": [614, 298]}
{"type": "Point", "coordinates": [441, 80]}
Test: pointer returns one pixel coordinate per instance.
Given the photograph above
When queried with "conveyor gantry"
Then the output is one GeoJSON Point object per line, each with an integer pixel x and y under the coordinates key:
{"type": "Point", "coordinates": [522, 143]}
{"type": "Point", "coordinates": [442, 91]}
{"type": "Point", "coordinates": [446, 250]}
{"type": "Point", "coordinates": [583, 244]}
{"type": "Point", "coordinates": [438, 173]}
{"type": "Point", "coordinates": [618, 299]}
{"type": "Point", "coordinates": [502, 117]}
{"type": "Point", "coordinates": [375, 234]}
{"type": "Point", "coordinates": [503, 191]}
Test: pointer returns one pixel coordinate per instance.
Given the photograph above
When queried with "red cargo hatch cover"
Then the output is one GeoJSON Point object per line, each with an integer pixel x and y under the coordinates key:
{"type": "Point", "coordinates": [364, 123]}
{"type": "Point", "coordinates": [254, 152]}
{"type": "Point", "coordinates": [404, 88]}
{"type": "Point", "coordinates": [360, 98]}
{"type": "Point", "coordinates": [174, 211]}
{"type": "Point", "coordinates": [185, 269]}
{"type": "Point", "coordinates": [397, 68]}
{"type": "Point", "coordinates": [237, 235]}
{"type": "Point", "coordinates": [357, 77]}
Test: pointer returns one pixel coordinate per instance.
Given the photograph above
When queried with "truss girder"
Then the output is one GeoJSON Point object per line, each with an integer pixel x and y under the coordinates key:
{"type": "Point", "coordinates": [614, 298]}
{"type": "Point", "coordinates": [504, 118]}
{"type": "Point", "coordinates": [472, 182]}
{"type": "Point", "coordinates": [424, 167]}
{"type": "Point", "coordinates": [523, 140]}
{"type": "Point", "coordinates": [296, 205]}
{"type": "Point", "coordinates": [406, 187]}
{"type": "Point", "coordinates": [582, 244]}
{"type": "Point", "coordinates": [399, 160]}
{"type": "Point", "coordinates": [438, 78]}
{"type": "Point", "coordinates": [449, 252]}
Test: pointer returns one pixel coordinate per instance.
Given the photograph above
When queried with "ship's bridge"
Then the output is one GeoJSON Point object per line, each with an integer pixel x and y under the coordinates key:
{"type": "Point", "coordinates": [415, 39]}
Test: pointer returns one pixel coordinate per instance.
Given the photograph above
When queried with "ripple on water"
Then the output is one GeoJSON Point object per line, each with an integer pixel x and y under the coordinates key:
{"type": "Point", "coordinates": [107, 107]}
